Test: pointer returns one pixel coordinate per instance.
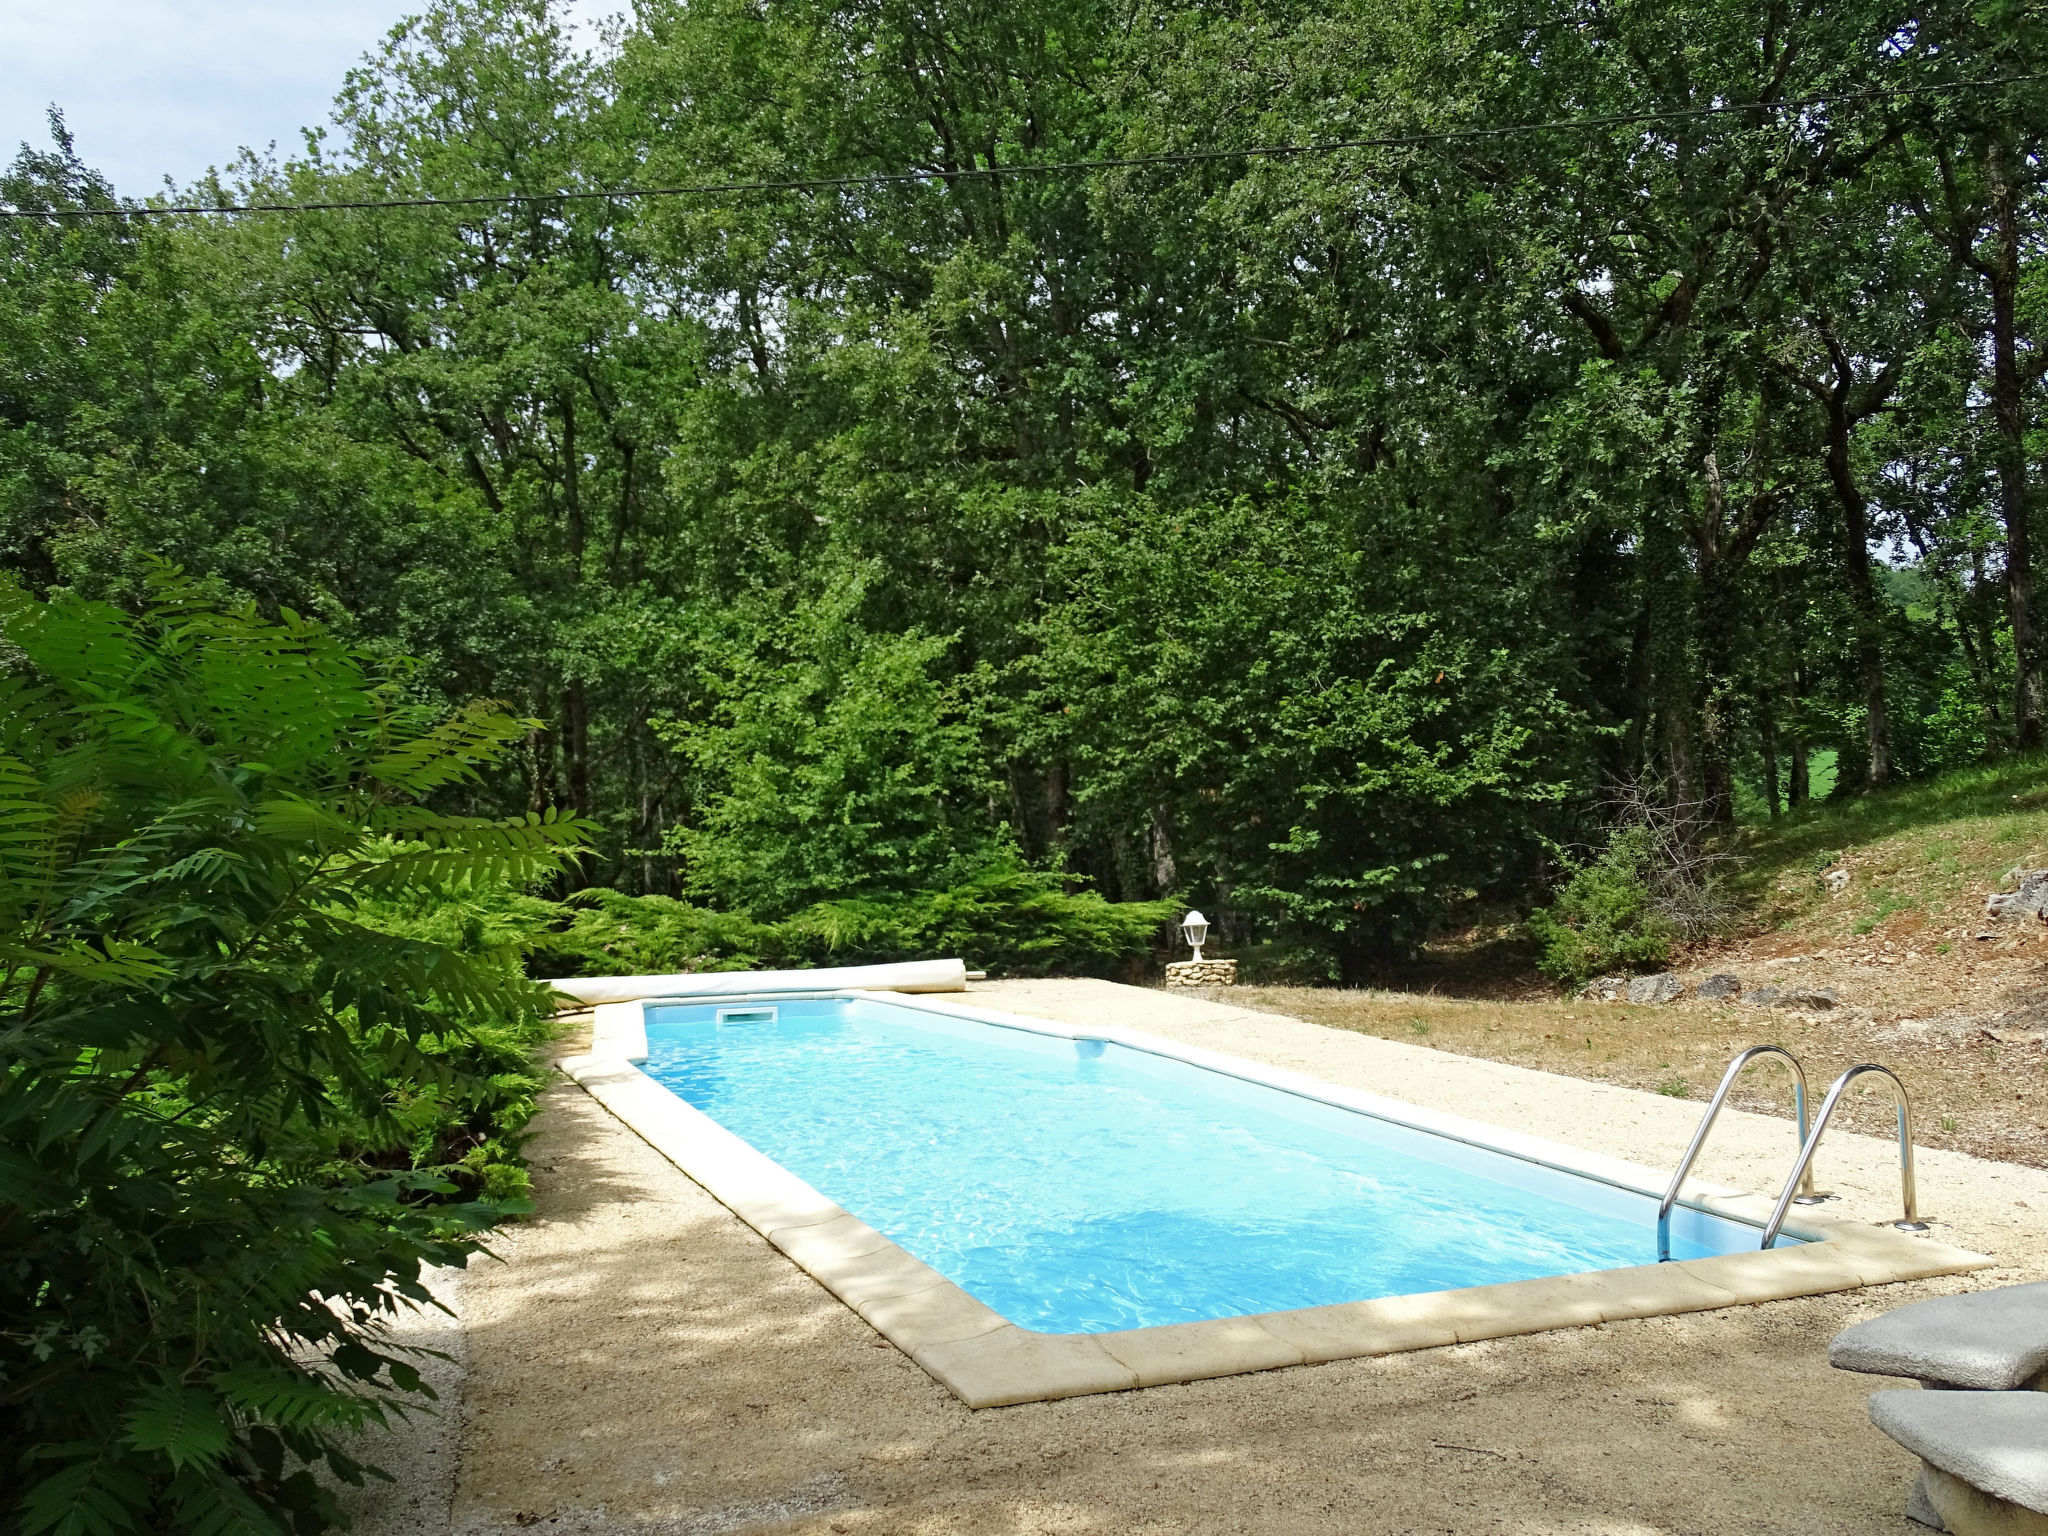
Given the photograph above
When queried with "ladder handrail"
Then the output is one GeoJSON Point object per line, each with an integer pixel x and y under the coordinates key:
{"type": "Point", "coordinates": [1907, 1197]}
{"type": "Point", "coordinates": [1699, 1137]}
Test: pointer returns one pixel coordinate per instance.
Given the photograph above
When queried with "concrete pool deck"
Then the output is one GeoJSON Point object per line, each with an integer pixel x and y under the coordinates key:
{"type": "Point", "coordinates": [645, 1362]}
{"type": "Point", "coordinates": [987, 1361]}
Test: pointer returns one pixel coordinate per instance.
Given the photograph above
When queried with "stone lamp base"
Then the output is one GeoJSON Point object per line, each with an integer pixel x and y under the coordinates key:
{"type": "Point", "coordinates": [1202, 973]}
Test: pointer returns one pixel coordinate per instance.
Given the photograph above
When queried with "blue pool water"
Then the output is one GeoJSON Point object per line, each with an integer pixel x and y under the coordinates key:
{"type": "Point", "coordinates": [1080, 1187]}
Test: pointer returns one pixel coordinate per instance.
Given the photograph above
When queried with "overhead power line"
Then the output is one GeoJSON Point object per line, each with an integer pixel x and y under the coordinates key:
{"type": "Point", "coordinates": [1042, 168]}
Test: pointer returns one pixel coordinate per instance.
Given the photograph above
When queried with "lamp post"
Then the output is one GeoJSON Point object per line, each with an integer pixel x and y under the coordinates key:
{"type": "Point", "coordinates": [1194, 932]}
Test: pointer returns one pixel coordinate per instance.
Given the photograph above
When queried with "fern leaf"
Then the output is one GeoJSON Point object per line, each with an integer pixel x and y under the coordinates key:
{"type": "Point", "coordinates": [300, 820]}
{"type": "Point", "coordinates": [295, 1401]}
{"type": "Point", "coordinates": [180, 1423]}
{"type": "Point", "coordinates": [93, 1494]}
{"type": "Point", "coordinates": [450, 752]}
{"type": "Point", "coordinates": [219, 1506]}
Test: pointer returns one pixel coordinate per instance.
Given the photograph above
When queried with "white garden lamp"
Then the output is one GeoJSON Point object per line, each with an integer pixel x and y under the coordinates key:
{"type": "Point", "coordinates": [1195, 928]}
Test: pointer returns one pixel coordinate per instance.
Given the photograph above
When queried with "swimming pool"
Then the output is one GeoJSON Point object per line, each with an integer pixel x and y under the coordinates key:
{"type": "Point", "coordinates": [1084, 1186]}
{"type": "Point", "coordinates": [1037, 1208]}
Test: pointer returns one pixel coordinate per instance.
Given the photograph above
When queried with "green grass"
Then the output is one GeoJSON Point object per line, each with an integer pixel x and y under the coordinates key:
{"type": "Point", "coordinates": [1912, 846]}
{"type": "Point", "coordinates": [1751, 809]}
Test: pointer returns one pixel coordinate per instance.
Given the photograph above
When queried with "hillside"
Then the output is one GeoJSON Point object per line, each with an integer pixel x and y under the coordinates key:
{"type": "Point", "coordinates": [1953, 1002]}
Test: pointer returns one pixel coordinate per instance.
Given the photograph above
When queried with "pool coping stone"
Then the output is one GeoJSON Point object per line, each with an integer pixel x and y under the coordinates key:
{"type": "Point", "coordinates": [987, 1361]}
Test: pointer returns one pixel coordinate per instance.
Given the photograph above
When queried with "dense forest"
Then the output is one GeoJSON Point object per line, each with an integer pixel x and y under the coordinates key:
{"type": "Point", "coordinates": [1065, 493]}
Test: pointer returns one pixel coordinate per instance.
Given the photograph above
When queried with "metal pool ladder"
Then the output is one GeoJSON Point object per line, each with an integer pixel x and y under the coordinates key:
{"type": "Point", "coordinates": [1802, 1175]}
{"type": "Point", "coordinates": [1801, 1169]}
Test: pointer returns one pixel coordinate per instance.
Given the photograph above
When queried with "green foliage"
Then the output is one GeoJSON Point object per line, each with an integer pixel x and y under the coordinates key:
{"type": "Point", "coordinates": [1004, 919]}
{"type": "Point", "coordinates": [1311, 535]}
{"type": "Point", "coordinates": [1605, 917]}
{"type": "Point", "coordinates": [2006, 795]}
{"type": "Point", "coordinates": [834, 766]}
{"type": "Point", "coordinates": [237, 1115]}
{"type": "Point", "coordinates": [1172, 676]}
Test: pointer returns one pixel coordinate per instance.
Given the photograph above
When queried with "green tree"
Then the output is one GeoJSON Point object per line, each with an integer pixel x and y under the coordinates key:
{"type": "Point", "coordinates": [1632, 418]}
{"type": "Point", "coordinates": [1336, 719]}
{"type": "Point", "coordinates": [834, 764]}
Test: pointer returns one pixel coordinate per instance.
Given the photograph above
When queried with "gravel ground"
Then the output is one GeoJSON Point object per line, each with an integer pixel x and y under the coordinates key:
{"type": "Point", "coordinates": [643, 1362]}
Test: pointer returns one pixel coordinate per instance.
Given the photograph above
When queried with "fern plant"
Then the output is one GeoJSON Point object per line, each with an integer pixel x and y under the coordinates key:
{"type": "Point", "coordinates": [214, 1184]}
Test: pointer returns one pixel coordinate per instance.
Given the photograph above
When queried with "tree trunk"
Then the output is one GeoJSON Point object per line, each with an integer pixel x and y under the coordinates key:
{"type": "Point", "coordinates": [1165, 872]}
{"type": "Point", "coordinates": [2008, 415]}
{"type": "Point", "coordinates": [1978, 656]}
{"type": "Point", "coordinates": [575, 736]}
{"type": "Point", "coordinates": [1669, 599]}
{"type": "Point", "coordinates": [1635, 747]}
{"type": "Point", "coordinates": [1767, 743]}
{"type": "Point", "coordinates": [1719, 616]}
{"type": "Point", "coordinates": [1863, 592]}
{"type": "Point", "coordinates": [1982, 602]}
{"type": "Point", "coordinates": [1798, 777]}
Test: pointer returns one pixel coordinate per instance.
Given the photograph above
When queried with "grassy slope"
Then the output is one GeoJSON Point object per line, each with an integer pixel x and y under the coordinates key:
{"type": "Point", "coordinates": [1921, 855]}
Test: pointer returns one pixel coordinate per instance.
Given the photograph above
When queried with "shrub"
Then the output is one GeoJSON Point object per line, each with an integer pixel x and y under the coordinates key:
{"type": "Point", "coordinates": [236, 1116]}
{"type": "Point", "coordinates": [1006, 919]}
{"type": "Point", "coordinates": [1606, 916]}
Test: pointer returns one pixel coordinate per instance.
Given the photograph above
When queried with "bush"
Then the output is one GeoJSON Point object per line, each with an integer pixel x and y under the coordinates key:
{"type": "Point", "coordinates": [1006, 919]}
{"type": "Point", "coordinates": [237, 1115]}
{"type": "Point", "coordinates": [471, 1122]}
{"type": "Point", "coordinates": [1606, 917]}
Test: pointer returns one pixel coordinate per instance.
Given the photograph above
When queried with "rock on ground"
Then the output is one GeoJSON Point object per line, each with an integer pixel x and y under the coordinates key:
{"type": "Point", "coordinates": [1660, 988]}
{"type": "Point", "coordinates": [1817, 998]}
{"type": "Point", "coordinates": [2029, 898]}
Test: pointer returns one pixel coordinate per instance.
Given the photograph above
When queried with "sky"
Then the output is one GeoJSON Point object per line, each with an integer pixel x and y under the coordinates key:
{"type": "Point", "coordinates": [152, 88]}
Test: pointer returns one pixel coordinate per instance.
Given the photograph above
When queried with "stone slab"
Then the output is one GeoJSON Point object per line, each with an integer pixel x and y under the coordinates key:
{"type": "Point", "coordinates": [1224, 1346]}
{"type": "Point", "coordinates": [1011, 1365]}
{"type": "Point", "coordinates": [1807, 1269]}
{"type": "Point", "coordinates": [1887, 1255]}
{"type": "Point", "coordinates": [1993, 1340]}
{"type": "Point", "coordinates": [1479, 1312]}
{"type": "Point", "coordinates": [941, 1314]}
{"type": "Point", "coordinates": [1997, 1442]}
{"type": "Point", "coordinates": [828, 1250]}
{"type": "Point", "coordinates": [883, 1272]}
{"type": "Point", "coordinates": [1654, 1290]}
{"type": "Point", "coordinates": [1949, 1504]}
{"type": "Point", "coordinates": [1354, 1330]}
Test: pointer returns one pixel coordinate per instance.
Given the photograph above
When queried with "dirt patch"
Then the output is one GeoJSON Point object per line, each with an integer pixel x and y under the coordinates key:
{"type": "Point", "coordinates": [1978, 1077]}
